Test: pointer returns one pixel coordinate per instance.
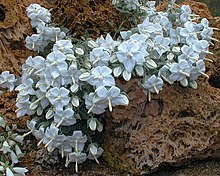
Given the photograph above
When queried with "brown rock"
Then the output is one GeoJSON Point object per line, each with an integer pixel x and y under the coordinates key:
{"type": "Point", "coordinates": [178, 125]}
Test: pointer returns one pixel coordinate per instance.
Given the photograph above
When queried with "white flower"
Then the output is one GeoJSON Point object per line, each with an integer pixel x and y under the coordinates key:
{"type": "Point", "coordinates": [101, 76]}
{"type": "Point", "coordinates": [129, 55]}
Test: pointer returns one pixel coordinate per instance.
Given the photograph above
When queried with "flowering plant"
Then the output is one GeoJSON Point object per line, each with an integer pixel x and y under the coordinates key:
{"type": "Point", "coordinates": [10, 151]}
{"type": "Point", "coordinates": [69, 84]}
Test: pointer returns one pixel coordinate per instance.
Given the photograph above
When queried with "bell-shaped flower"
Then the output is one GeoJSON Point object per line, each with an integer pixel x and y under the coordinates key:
{"type": "Point", "coordinates": [64, 118]}
{"type": "Point", "coordinates": [94, 152]}
{"type": "Point", "coordinates": [77, 140]}
{"type": "Point", "coordinates": [34, 65]}
{"type": "Point", "coordinates": [202, 47]}
{"type": "Point", "coordinates": [111, 96]}
{"type": "Point", "coordinates": [197, 70]}
{"type": "Point", "coordinates": [153, 84]}
{"type": "Point", "coordinates": [101, 76]}
{"type": "Point", "coordinates": [7, 80]}
{"type": "Point", "coordinates": [64, 149]}
{"type": "Point", "coordinates": [185, 13]}
{"type": "Point", "coordinates": [149, 28]}
{"type": "Point", "coordinates": [52, 80]}
{"type": "Point", "coordinates": [50, 134]}
{"type": "Point", "coordinates": [38, 14]}
{"type": "Point", "coordinates": [129, 55]}
{"type": "Point", "coordinates": [94, 106]}
{"type": "Point", "coordinates": [174, 36]}
{"type": "Point", "coordinates": [64, 46]}
{"type": "Point", "coordinates": [23, 108]}
{"type": "Point", "coordinates": [109, 44]}
{"type": "Point", "coordinates": [140, 39]}
{"type": "Point", "coordinates": [179, 71]}
{"type": "Point", "coordinates": [78, 157]}
{"type": "Point", "coordinates": [188, 32]}
{"type": "Point", "coordinates": [56, 34]}
{"type": "Point", "coordinates": [56, 63]}
{"type": "Point", "coordinates": [188, 54]}
{"type": "Point", "coordinates": [161, 44]}
{"type": "Point", "coordinates": [99, 57]}
{"type": "Point", "coordinates": [42, 84]}
{"type": "Point", "coordinates": [34, 42]}
{"type": "Point", "coordinates": [26, 87]}
{"type": "Point", "coordinates": [58, 97]}
{"type": "Point", "coordinates": [6, 148]}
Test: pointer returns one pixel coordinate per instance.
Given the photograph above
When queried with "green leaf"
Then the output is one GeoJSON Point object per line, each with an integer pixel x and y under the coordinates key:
{"type": "Point", "coordinates": [184, 82]}
{"type": "Point", "coordinates": [74, 88]}
{"type": "Point", "coordinates": [92, 124]}
{"type": "Point", "coordinates": [193, 84]}
{"type": "Point", "coordinates": [150, 64]}
{"type": "Point", "coordinates": [126, 75]}
{"type": "Point", "coordinates": [139, 70]}
{"type": "Point", "coordinates": [75, 101]}
{"type": "Point", "coordinates": [117, 71]}
{"type": "Point", "coordinates": [84, 76]}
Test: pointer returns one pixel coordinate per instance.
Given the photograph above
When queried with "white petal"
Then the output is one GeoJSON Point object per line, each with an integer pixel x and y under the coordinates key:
{"type": "Point", "coordinates": [9, 172]}
{"type": "Point", "coordinates": [20, 170]}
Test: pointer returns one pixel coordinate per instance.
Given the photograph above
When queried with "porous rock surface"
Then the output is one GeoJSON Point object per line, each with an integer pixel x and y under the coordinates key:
{"type": "Point", "coordinates": [94, 17]}
{"type": "Point", "coordinates": [177, 125]}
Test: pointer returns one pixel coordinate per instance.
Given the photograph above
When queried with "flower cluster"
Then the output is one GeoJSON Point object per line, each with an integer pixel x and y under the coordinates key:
{"type": "Point", "coordinates": [7, 80]}
{"type": "Point", "coordinates": [57, 88]}
{"type": "Point", "coordinates": [166, 46]}
{"type": "Point", "coordinates": [46, 33]}
{"type": "Point", "coordinates": [71, 85]}
{"type": "Point", "coordinates": [10, 151]}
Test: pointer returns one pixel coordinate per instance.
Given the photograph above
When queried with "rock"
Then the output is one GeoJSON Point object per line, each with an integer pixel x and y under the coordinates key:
{"type": "Point", "coordinates": [178, 125]}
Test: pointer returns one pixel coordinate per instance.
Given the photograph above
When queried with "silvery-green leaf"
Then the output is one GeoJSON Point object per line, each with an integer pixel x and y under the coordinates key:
{"type": "Point", "coordinates": [70, 57]}
{"type": "Point", "coordinates": [126, 75]}
{"type": "Point", "coordinates": [99, 126]}
{"type": "Point", "coordinates": [113, 59]}
{"type": "Point", "coordinates": [39, 110]}
{"type": "Point", "coordinates": [193, 84]}
{"type": "Point", "coordinates": [19, 138]}
{"type": "Point", "coordinates": [150, 43]}
{"type": "Point", "coordinates": [91, 44]}
{"type": "Point", "coordinates": [87, 64]}
{"type": "Point", "coordinates": [84, 76]}
{"type": "Point", "coordinates": [125, 34]}
{"type": "Point", "coordinates": [170, 56]}
{"type": "Point", "coordinates": [18, 150]}
{"type": "Point", "coordinates": [14, 158]}
{"type": "Point", "coordinates": [1, 168]}
{"type": "Point", "coordinates": [184, 82]}
{"type": "Point", "coordinates": [34, 105]}
{"type": "Point", "coordinates": [117, 71]}
{"type": "Point", "coordinates": [49, 114]}
{"type": "Point", "coordinates": [150, 64]}
{"type": "Point", "coordinates": [79, 51]}
{"type": "Point", "coordinates": [75, 101]}
{"type": "Point", "coordinates": [176, 49]}
{"type": "Point", "coordinates": [93, 149]}
{"type": "Point", "coordinates": [11, 142]}
{"type": "Point", "coordinates": [92, 124]}
{"type": "Point", "coordinates": [74, 88]}
{"type": "Point", "coordinates": [139, 70]}
{"type": "Point", "coordinates": [2, 122]}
